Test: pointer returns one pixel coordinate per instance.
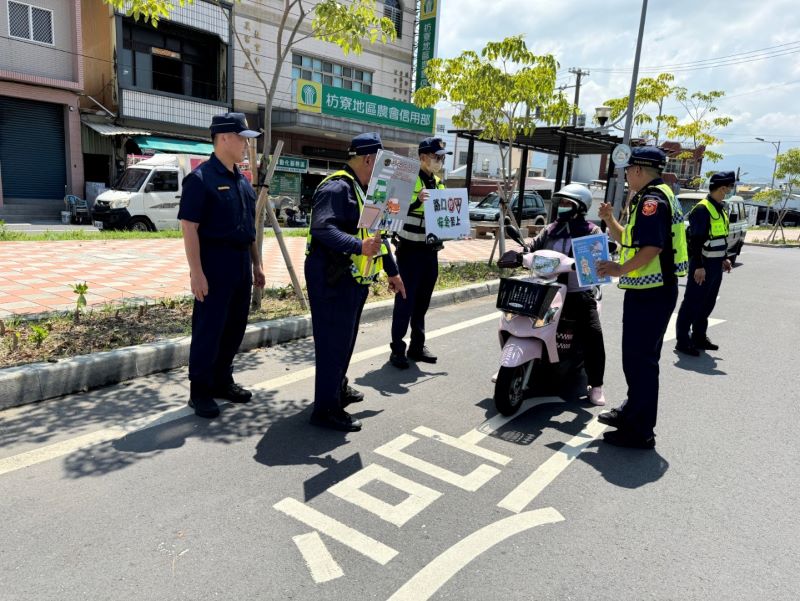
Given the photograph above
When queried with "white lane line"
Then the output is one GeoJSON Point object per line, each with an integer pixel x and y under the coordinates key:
{"type": "Point", "coordinates": [424, 584]}
{"type": "Point", "coordinates": [369, 547]}
{"type": "Point", "coordinates": [519, 498]}
{"type": "Point", "coordinates": [670, 333]}
{"type": "Point", "coordinates": [59, 449]}
{"type": "Point", "coordinates": [320, 562]}
{"type": "Point", "coordinates": [461, 445]}
{"type": "Point", "coordinates": [496, 422]}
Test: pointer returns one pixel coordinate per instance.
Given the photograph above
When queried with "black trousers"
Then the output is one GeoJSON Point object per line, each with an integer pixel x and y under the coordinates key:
{"type": "Point", "coordinates": [219, 322]}
{"type": "Point", "coordinates": [645, 316]}
{"type": "Point", "coordinates": [698, 302]}
{"type": "Point", "coordinates": [335, 315]}
{"type": "Point", "coordinates": [419, 268]}
{"type": "Point", "coordinates": [581, 307]}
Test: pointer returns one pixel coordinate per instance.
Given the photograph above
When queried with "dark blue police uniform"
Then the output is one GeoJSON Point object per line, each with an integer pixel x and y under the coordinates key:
{"type": "Point", "coordinates": [336, 298]}
{"type": "Point", "coordinates": [223, 203]}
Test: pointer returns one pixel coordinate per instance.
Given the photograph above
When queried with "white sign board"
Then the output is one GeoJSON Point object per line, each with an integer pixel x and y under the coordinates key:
{"type": "Point", "coordinates": [446, 215]}
{"type": "Point", "coordinates": [389, 192]}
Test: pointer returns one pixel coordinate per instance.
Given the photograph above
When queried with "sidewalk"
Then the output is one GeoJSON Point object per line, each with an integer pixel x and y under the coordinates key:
{"type": "Point", "coordinates": [36, 277]}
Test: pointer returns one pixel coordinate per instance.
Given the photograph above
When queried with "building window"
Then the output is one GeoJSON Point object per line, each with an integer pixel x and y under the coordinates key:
{"type": "Point", "coordinates": [173, 59]}
{"type": "Point", "coordinates": [440, 128]}
{"type": "Point", "coordinates": [330, 73]}
{"type": "Point", "coordinates": [28, 22]}
{"type": "Point", "coordinates": [393, 10]}
{"type": "Point", "coordinates": [462, 157]}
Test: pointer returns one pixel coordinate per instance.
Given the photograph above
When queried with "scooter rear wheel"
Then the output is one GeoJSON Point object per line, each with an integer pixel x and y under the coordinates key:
{"type": "Point", "coordinates": [508, 390]}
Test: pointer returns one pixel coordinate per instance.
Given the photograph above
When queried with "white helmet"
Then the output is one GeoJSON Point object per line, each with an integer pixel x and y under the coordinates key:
{"type": "Point", "coordinates": [578, 193]}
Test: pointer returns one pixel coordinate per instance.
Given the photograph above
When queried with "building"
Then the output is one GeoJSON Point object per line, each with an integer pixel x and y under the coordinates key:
{"type": "Point", "coordinates": [325, 97]}
{"type": "Point", "coordinates": [41, 77]}
{"type": "Point", "coordinates": [687, 169]}
{"type": "Point", "coordinates": [153, 89]}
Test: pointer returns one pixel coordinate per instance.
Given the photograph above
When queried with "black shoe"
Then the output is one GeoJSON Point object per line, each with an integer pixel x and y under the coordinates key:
{"type": "Point", "coordinates": [336, 420]}
{"type": "Point", "coordinates": [621, 438]}
{"type": "Point", "coordinates": [611, 418]}
{"type": "Point", "coordinates": [705, 344]}
{"type": "Point", "coordinates": [687, 349]}
{"type": "Point", "coordinates": [233, 393]}
{"type": "Point", "coordinates": [350, 395]}
{"type": "Point", "coordinates": [204, 407]}
{"type": "Point", "coordinates": [422, 354]}
{"type": "Point", "coordinates": [399, 360]}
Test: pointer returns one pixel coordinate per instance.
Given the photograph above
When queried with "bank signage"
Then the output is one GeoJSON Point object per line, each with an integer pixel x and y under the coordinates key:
{"type": "Point", "coordinates": [426, 38]}
{"type": "Point", "coordinates": [337, 102]}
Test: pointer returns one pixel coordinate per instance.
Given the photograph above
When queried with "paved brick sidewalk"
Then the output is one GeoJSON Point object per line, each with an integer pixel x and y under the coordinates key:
{"type": "Point", "coordinates": [35, 277]}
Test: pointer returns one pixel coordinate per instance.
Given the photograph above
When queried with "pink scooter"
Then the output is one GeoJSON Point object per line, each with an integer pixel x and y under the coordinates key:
{"type": "Point", "coordinates": [529, 326]}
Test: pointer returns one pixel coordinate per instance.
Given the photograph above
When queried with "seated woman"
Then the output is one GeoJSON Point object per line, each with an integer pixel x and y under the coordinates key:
{"type": "Point", "coordinates": [574, 201]}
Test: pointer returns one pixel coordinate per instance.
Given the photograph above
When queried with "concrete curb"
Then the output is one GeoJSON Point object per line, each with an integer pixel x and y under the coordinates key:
{"type": "Point", "coordinates": [41, 381]}
{"type": "Point", "coordinates": [765, 245]}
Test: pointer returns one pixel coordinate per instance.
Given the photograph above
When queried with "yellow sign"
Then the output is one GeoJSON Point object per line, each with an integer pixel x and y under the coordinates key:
{"type": "Point", "coordinates": [309, 96]}
{"type": "Point", "coordinates": [427, 9]}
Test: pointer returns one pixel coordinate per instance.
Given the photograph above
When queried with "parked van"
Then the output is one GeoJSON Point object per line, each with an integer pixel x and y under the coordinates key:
{"type": "Point", "coordinates": [737, 215]}
{"type": "Point", "coordinates": [147, 196]}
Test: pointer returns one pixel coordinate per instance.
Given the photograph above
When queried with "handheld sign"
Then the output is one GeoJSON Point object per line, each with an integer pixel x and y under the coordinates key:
{"type": "Point", "coordinates": [446, 215]}
{"type": "Point", "coordinates": [587, 250]}
{"type": "Point", "coordinates": [389, 192]}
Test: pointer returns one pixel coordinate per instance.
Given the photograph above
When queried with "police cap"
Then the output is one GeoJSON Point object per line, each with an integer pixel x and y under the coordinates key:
{"type": "Point", "coordinates": [234, 123]}
{"type": "Point", "coordinates": [647, 156]}
{"type": "Point", "coordinates": [433, 146]}
{"type": "Point", "coordinates": [368, 143]}
{"type": "Point", "coordinates": [723, 178]}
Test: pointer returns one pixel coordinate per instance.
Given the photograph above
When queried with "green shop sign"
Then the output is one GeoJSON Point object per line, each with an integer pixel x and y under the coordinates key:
{"type": "Point", "coordinates": [338, 102]}
{"type": "Point", "coordinates": [292, 164]}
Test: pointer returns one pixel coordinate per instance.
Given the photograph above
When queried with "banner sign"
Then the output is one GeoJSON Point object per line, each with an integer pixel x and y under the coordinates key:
{"type": "Point", "coordinates": [587, 250]}
{"type": "Point", "coordinates": [389, 192]}
{"type": "Point", "coordinates": [426, 38]}
{"type": "Point", "coordinates": [446, 215]}
{"type": "Point", "coordinates": [338, 102]}
{"type": "Point", "coordinates": [292, 164]}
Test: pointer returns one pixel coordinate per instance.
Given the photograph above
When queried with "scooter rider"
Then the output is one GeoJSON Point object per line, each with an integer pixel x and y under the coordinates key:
{"type": "Point", "coordinates": [574, 201]}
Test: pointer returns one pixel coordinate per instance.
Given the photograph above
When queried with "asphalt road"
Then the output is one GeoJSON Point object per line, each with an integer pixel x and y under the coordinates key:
{"type": "Point", "coordinates": [122, 493]}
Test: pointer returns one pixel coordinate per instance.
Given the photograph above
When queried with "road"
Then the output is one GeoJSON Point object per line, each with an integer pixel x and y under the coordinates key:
{"type": "Point", "coordinates": [121, 493]}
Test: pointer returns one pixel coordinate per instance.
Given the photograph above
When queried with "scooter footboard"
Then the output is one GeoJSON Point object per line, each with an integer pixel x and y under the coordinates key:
{"type": "Point", "coordinates": [518, 351]}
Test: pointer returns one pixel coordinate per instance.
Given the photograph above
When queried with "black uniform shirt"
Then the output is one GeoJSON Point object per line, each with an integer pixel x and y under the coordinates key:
{"type": "Point", "coordinates": [653, 225]}
{"type": "Point", "coordinates": [221, 201]}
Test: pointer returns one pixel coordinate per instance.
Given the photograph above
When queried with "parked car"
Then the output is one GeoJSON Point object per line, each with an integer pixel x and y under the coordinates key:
{"type": "Point", "coordinates": [488, 209]}
{"type": "Point", "coordinates": [737, 215]}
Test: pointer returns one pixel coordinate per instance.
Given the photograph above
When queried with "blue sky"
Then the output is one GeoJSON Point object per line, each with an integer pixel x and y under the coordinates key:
{"type": "Point", "coordinates": [762, 96]}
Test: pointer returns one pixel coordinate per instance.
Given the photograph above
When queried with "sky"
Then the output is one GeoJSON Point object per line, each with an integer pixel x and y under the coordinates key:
{"type": "Point", "coordinates": [762, 96]}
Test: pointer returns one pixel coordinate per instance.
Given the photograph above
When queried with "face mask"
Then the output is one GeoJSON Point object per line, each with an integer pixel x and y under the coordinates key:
{"type": "Point", "coordinates": [434, 166]}
{"type": "Point", "coordinates": [566, 213]}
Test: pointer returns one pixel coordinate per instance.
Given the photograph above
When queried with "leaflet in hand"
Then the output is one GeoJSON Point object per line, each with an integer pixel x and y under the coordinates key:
{"type": "Point", "coordinates": [587, 250]}
{"type": "Point", "coordinates": [389, 192]}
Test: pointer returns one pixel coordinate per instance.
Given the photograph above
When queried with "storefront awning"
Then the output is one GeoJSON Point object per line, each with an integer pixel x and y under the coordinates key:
{"type": "Point", "coordinates": [108, 129]}
{"type": "Point", "coordinates": [173, 145]}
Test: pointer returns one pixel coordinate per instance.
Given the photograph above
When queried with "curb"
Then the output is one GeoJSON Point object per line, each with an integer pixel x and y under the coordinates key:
{"type": "Point", "coordinates": [765, 245]}
{"type": "Point", "coordinates": [41, 381]}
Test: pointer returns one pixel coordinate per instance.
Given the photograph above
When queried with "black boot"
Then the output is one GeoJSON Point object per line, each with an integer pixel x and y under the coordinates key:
{"type": "Point", "coordinates": [422, 354]}
{"type": "Point", "coordinates": [398, 356]}
{"type": "Point", "coordinates": [349, 395]}
{"type": "Point", "coordinates": [202, 402]}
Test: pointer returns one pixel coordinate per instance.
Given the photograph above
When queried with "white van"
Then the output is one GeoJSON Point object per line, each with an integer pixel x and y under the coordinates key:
{"type": "Point", "coordinates": [147, 196]}
{"type": "Point", "coordinates": [737, 216]}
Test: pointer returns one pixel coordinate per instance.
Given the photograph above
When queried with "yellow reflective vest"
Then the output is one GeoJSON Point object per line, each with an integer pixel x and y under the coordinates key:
{"type": "Point", "coordinates": [358, 268]}
{"type": "Point", "coordinates": [414, 225]}
{"type": "Point", "coordinates": [650, 275]}
{"type": "Point", "coordinates": [716, 246]}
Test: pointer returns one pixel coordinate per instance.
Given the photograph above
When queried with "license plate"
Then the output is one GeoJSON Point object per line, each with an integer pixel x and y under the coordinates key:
{"type": "Point", "coordinates": [98, 225]}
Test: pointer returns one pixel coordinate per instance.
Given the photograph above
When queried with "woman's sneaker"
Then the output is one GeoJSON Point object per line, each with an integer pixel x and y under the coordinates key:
{"type": "Point", "coordinates": [596, 396]}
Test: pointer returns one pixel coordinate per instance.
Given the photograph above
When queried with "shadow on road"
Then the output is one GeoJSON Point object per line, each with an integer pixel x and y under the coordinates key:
{"type": "Point", "coordinates": [704, 364]}
{"type": "Point", "coordinates": [627, 468]}
{"type": "Point", "coordinates": [388, 381]}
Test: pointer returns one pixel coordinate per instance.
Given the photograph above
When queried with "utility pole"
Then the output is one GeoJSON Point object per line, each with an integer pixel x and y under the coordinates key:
{"type": "Point", "coordinates": [579, 73]}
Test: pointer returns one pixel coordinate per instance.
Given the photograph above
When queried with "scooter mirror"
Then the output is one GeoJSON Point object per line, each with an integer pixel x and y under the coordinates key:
{"type": "Point", "coordinates": [513, 233]}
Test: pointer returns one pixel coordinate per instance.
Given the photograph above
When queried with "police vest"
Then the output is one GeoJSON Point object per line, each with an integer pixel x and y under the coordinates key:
{"type": "Point", "coordinates": [650, 275]}
{"type": "Point", "coordinates": [716, 247]}
{"type": "Point", "coordinates": [414, 226]}
{"type": "Point", "coordinates": [358, 267]}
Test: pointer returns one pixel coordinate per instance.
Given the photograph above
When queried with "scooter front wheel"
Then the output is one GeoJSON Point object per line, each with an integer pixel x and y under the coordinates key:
{"type": "Point", "coordinates": [508, 390]}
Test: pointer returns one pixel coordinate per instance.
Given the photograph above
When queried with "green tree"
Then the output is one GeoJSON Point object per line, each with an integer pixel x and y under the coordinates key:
{"type": "Point", "coordinates": [148, 10]}
{"type": "Point", "coordinates": [650, 92]}
{"type": "Point", "coordinates": [502, 91]}
{"type": "Point", "coordinates": [788, 169]}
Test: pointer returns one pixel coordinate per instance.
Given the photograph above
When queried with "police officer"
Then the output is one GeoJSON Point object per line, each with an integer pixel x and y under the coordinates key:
{"type": "Point", "coordinates": [417, 261]}
{"type": "Point", "coordinates": [708, 249]}
{"type": "Point", "coordinates": [652, 257]}
{"type": "Point", "coordinates": [217, 214]}
{"type": "Point", "coordinates": [341, 262]}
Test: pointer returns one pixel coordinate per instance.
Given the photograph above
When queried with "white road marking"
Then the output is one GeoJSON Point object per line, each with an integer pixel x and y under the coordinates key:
{"type": "Point", "coordinates": [462, 445]}
{"type": "Point", "coordinates": [470, 482]}
{"type": "Point", "coordinates": [519, 498]}
{"type": "Point", "coordinates": [367, 546]}
{"type": "Point", "coordinates": [424, 584]}
{"type": "Point", "coordinates": [496, 422]}
{"type": "Point", "coordinates": [65, 447]}
{"type": "Point", "coordinates": [419, 495]}
{"type": "Point", "coordinates": [320, 562]}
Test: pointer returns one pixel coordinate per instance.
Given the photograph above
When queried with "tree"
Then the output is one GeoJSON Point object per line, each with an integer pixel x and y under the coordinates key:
{"type": "Point", "coordinates": [649, 91]}
{"type": "Point", "coordinates": [501, 91]}
{"type": "Point", "coordinates": [788, 169]}
{"type": "Point", "coordinates": [148, 10]}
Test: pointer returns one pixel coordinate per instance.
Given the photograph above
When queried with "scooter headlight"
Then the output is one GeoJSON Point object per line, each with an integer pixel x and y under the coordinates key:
{"type": "Point", "coordinates": [545, 266]}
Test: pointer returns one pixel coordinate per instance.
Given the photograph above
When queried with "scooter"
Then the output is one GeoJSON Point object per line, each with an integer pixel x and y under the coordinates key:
{"type": "Point", "coordinates": [529, 326]}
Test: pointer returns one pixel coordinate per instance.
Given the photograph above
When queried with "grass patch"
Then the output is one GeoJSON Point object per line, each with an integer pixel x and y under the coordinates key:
{"type": "Point", "coordinates": [110, 326]}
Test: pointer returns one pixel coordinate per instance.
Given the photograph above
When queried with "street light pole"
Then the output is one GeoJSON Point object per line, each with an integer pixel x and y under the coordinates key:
{"type": "Point", "coordinates": [777, 146]}
{"type": "Point", "coordinates": [626, 139]}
